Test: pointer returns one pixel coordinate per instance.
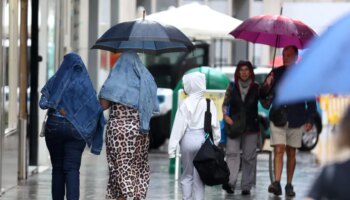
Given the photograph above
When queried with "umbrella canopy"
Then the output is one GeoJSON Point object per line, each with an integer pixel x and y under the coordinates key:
{"type": "Point", "coordinates": [274, 30]}
{"type": "Point", "coordinates": [143, 36]}
{"type": "Point", "coordinates": [325, 67]}
{"type": "Point", "coordinates": [197, 21]}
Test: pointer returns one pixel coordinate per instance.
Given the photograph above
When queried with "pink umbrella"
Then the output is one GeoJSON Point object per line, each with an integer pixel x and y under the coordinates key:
{"type": "Point", "coordinates": [274, 30]}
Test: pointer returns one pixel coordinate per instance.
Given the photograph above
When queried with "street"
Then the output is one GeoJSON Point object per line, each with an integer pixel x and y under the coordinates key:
{"type": "Point", "coordinates": [94, 177]}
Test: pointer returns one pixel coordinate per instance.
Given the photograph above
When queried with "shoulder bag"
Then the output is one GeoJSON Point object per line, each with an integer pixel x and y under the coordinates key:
{"type": "Point", "coordinates": [209, 160]}
{"type": "Point", "coordinates": [42, 132]}
{"type": "Point", "coordinates": [278, 116]}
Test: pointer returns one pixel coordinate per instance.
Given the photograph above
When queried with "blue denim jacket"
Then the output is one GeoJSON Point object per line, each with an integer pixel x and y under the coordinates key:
{"type": "Point", "coordinates": [71, 89]}
{"type": "Point", "coordinates": [131, 84]}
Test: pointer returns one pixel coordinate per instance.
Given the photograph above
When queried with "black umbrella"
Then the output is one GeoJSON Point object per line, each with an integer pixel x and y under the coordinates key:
{"type": "Point", "coordinates": [144, 36]}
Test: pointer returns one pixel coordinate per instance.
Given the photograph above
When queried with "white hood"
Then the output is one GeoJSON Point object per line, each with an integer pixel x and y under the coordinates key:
{"type": "Point", "coordinates": [194, 86]}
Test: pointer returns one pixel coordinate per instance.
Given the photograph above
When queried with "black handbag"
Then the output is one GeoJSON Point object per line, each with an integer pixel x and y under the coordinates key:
{"type": "Point", "coordinates": [238, 127]}
{"type": "Point", "coordinates": [209, 160]}
{"type": "Point", "coordinates": [239, 121]}
{"type": "Point", "coordinates": [278, 116]}
{"type": "Point", "coordinates": [43, 125]}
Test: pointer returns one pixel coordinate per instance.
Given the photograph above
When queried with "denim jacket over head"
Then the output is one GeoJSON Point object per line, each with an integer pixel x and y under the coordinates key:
{"type": "Point", "coordinates": [132, 85]}
{"type": "Point", "coordinates": [71, 89]}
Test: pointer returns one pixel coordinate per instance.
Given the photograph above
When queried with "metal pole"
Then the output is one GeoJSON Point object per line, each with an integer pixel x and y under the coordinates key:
{"type": "Point", "coordinates": [23, 92]}
{"type": "Point", "coordinates": [177, 164]}
{"type": "Point", "coordinates": [221, 50]}
{"type": "Point", "coordinates": [2, 127]}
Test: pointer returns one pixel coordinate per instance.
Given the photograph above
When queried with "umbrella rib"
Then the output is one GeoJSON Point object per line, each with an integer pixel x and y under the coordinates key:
{"type": "Point", "coordinates": [256, 37]}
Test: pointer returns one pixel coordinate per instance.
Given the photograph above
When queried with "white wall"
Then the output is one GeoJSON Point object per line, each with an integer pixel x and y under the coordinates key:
{"type": "Point", "coordinates": [43, 154]}
{"type": "Point", "coordinates": [104, 23]}
{"type": "Point", "coordinates": [318, 16]}
{"type": "Point", "coordinates": [83, 29]}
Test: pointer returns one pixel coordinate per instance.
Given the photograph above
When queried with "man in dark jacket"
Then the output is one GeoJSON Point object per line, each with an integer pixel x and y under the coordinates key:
{"type": "Point", "coordinates": [287, 123]}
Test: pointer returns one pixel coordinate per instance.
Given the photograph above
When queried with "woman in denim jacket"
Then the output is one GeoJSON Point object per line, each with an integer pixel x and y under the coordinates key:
{"type": "Point", "coordinates": [75, 118]}
{"type": "Point", "coordinates": [131, 93]}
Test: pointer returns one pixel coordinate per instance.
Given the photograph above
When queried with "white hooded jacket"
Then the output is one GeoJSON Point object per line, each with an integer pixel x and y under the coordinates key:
{"type": "Point", "coordinates": [190, 114]}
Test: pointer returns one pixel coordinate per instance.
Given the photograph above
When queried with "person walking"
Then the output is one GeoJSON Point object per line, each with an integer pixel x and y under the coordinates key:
{"type": "Point", "coordinates": [75, 118]}
{"type": "Point", "coordinates": [240, 108]}
{"type": "Point", "coordinates": [131, 94]}
{"type": "Point", "coordinates": [188, 131]}
{"type": "Point", "coordinates": [287, 123]}
{"type": "Point", "coordinates": [334, 179]}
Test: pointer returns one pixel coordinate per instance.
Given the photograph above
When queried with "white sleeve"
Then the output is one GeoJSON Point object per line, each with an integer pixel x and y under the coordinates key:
{"type": "Point", "coordinates": [215, 123]}
{"type": "Point", "coordinates": [178, 130]}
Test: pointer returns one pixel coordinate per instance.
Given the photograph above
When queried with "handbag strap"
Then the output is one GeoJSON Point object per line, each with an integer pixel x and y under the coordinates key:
{"type": "Point", "coordinates": [208, 104]}
{"type": "Point", "coordinates": [208, 120]}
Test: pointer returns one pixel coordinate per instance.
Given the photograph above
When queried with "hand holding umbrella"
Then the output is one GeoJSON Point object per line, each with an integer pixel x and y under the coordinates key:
{"type": "Point", "coordinates": [269, 79]}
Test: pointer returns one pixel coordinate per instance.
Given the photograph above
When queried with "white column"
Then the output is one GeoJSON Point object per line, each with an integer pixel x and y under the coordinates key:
{"type": "Point", "coordinates": [43, 154]}
{"type": "Point", "coordinates": [83, 29]}
{"type": "Point", "coordinates": [153, 6]}
{"type": "Point", "coordinates": [13, 65]}
{"type": "Point", "coordinates": [59, 35]}
{"type": "Point", "coordinates": [270, 7]}
{"type": "Point", "coordinates": [127, 10]}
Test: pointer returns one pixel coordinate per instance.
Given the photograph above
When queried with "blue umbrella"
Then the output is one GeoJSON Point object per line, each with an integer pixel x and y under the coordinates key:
{"type": "Point", "coordinates": [144, 36]}
{"type": "Point", "coordinates": [324, 68]}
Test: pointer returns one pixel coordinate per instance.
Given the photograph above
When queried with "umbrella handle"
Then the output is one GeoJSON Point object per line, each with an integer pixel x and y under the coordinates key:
{"type": "Point", "coordinates": [143, 14]}
{"type": "Point", "coordinates": [274, 53]}
{"type": "Point", "coordinates": [273, 59]}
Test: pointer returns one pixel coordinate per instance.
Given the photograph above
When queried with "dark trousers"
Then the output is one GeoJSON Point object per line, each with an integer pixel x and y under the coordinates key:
{"type": "Point", "coordinates": [66, 147]}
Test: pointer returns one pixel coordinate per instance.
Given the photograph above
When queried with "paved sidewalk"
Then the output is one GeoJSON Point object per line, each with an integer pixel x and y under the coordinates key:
{"type": "Point", "coordinates": [94, 177]}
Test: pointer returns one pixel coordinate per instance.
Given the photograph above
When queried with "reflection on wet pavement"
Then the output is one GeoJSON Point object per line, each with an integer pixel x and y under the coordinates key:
{"type": "Point", "coordinates": [94, 177]}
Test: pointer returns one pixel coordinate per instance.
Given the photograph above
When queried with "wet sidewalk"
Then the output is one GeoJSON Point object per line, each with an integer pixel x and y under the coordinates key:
{"type": "Point", "coordinates": [94, 177]}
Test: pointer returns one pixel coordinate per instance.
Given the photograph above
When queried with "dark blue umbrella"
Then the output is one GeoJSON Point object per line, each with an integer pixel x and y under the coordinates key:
{"type": "Point", "coordinates": [144, 36]}
{"type": "Point", "coordinates": [324, 68]}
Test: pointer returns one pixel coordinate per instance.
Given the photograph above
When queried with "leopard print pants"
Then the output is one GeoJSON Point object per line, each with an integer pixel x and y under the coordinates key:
{"type": "Point", "coordinates": [127, 155]}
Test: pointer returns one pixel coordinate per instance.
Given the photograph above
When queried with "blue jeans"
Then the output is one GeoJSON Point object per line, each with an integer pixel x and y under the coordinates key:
{"type": "Point", "coordinates": [66, 147]}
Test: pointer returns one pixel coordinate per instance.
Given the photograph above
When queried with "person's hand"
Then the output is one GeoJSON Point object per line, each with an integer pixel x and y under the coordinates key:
{"type": "Point", "coordinates": [269, 79]}
{"type": "Point", "coordinates": [62, 112]}
{"type": "Point", "coordinates": [308, 127]}
{"type": "Point", "coordinates": [309, 198]}
{"type": "Point", "coordinates": [228, 120]}
{"type": "Point", "coordinates": [105, 104]}
{"type": "Point", "coordinates": [171, 155]}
